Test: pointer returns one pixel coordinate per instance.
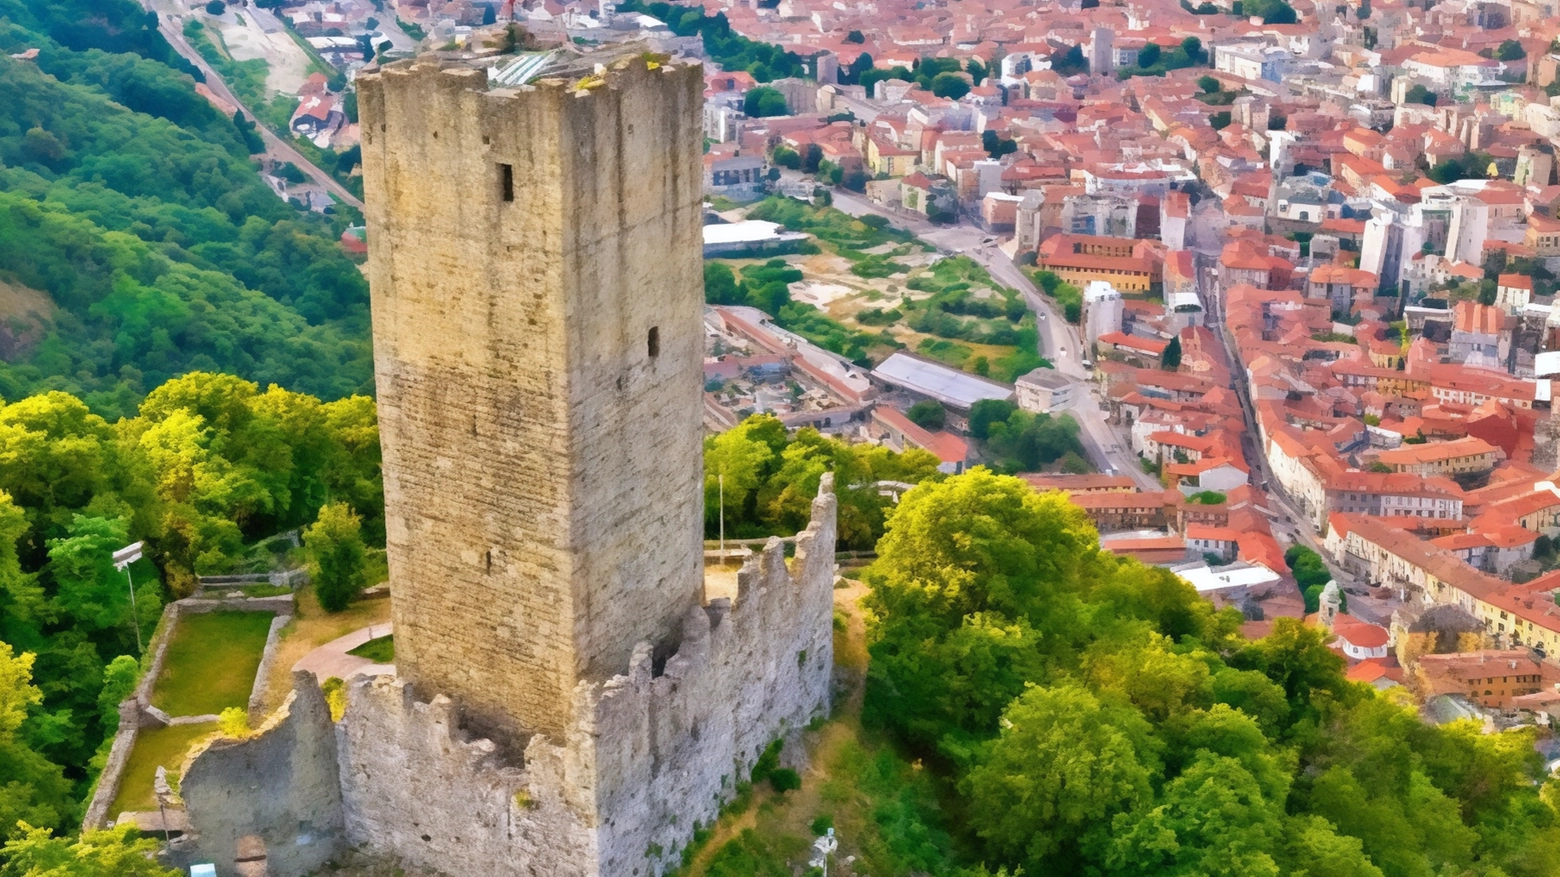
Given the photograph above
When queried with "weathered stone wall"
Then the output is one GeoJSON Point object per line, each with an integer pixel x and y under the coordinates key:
{"type": "Point", "coordinates": [416, 786]}
{"type": "Point", "coordinates": [645, 758]}
{"type": "Point", "coordinates": [280, 785]}
{"type": "Point", "coordinates": [670, 749]}
{"type": "Point", "coordinates": [543, 511]}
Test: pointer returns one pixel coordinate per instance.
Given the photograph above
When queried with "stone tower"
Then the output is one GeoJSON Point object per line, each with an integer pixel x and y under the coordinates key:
{"type": "Point", "coordinates": [537, 300]}
{"type": "Point", "coordinates": [569, 701]}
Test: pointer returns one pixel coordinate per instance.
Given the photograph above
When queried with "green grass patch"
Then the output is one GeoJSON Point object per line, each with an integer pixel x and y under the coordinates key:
{"type": "Point", "coordinates": [380, 650]}
{"type": "Point", "coordinates": [951, 352]}
{"type": "Point", "coordinates": [830, 334]}
{"type": "Point", "coordinates": [834, 227]}
{"type": "Point", "coordinates": [211, 662]}
{"type": "Point", "coordinates": [154, 748]}
{"type": "Point", "coordinates": [265, 590]}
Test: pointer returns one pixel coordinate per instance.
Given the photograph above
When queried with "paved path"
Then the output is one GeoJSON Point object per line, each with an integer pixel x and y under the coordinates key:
{"type": "Point", "coordinates": [332, 659]}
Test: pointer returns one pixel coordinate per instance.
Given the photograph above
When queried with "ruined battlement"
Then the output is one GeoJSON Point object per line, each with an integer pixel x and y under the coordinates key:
{"type": "Point", "coordinates": [645, 759]}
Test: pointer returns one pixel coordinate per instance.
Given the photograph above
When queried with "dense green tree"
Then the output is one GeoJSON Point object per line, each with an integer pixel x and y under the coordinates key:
{"type": "Point", "coordinates": [31, 788]}
{"type": "Point", "coordinates": [1170, 359]}
{"type": "Point", "coordinates": [927, 414]}
{"type": "Point", "coordinates": [1025, 442]}
{"type": "Point", "coordinates": [1064, 765]}
{"type": "Point", "coordinates": [950, 85]}
{"type": "Point", "coordinates": [1510, 50]}
{"type": "Point", "coordinates": [337, 556]}
{"type": "Point", "coordinates": [720, 284]}
{"type": "Point", "coordinates": [987, 412]}
{"type": "Point", "coordinates": [1419, 94]}
{"type": "Point", "coordinates": [117, 852]}
{"type": "Point", "coordinates": [764, 101]}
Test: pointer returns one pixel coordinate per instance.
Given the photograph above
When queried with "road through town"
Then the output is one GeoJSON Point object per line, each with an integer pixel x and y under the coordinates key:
{"type": "Point", "coordinates": [1059, 343]}
{"type": "Point", "coordinates": [171, 27]}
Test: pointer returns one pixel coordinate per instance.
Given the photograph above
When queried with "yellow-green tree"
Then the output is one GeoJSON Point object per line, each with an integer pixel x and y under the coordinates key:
{"type": "Point", "coordinates": [336, 556]}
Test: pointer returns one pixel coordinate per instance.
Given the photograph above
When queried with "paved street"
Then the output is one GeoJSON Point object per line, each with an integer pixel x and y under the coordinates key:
{"type": "Point", "coordinates": [172, 28]}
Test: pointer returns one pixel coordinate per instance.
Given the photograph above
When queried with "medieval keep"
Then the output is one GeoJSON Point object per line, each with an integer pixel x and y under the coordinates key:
{"type": "Point", "coordinates": [568, 699]}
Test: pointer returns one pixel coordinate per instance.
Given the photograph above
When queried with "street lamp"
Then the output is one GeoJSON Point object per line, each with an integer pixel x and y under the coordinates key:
{"type": "Point", "coordinates": [122, 560]}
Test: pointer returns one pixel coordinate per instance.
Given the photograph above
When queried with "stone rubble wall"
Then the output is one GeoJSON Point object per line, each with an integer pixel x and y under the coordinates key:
{"type": "Point", "coordinates": [645, 758]}
{"type": "Point", "coordinates": [417, 787]}
{"type": "Point", "coordinates": [280, 785]}
{"type": "Point", "coordinates": [267, 658]}
{"type": "Point", "coordinates": [671, 749]}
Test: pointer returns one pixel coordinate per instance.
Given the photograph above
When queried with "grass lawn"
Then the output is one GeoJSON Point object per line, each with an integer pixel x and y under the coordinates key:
{"type": "Point", "coordinates": [311, 628]}
{"type": "Point", "coordinates": [211, 662]}
{"type": "Point", "coordinates": [155, 747]}
{"type": "Point", "coordinates": [380, 650]}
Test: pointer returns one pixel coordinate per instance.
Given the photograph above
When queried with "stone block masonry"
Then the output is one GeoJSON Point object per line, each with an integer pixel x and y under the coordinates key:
{"type": "Point", "coordinates": [645, 759]}
{"type": "Point", "coordinates": [536, 275]}
{"type": "Point", "coordinates": [568, 704]}
{"type": "Point", "coordinates": [279, 786]}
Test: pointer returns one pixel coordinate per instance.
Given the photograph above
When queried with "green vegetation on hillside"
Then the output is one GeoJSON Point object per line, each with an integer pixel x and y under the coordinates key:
{"type": "Point", "coordinates": [1091, 715]}
{"type": "Point", "coordinates": [131, 204]}
{"type": "Point", "coordinates": [246, 79]}
{"type": "Point", "coordinates": [966, 310]}
{"type": "Point", "coordinates": [208, 463]}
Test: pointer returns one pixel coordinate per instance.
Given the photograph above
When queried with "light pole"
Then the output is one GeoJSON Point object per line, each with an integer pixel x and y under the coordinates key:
{"type": "Point", "coordinates": [122, 560]}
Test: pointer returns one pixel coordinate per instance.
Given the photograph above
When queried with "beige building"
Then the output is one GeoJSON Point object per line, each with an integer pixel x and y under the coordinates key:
{"type": "Point", "coordinates": [1462, 456]}
{"type": "Point", "coordinates": [1044, 391]}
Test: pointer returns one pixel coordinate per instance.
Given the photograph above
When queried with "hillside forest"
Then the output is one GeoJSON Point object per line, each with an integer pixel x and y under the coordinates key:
{"type": "Point", "coordinates": [137, 239]}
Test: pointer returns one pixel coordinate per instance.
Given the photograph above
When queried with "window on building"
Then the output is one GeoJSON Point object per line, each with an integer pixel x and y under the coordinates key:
{"type": "Point", "coordinates": [506, 181]}
{"type": "Point", "coordinates": [653, 342]}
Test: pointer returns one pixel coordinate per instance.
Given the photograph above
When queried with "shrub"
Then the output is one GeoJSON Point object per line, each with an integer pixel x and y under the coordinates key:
{"type": "Point", "coordinates": [337, 556]}
{"type": "Point", "coordinates": [234, 722]}
{"type": "Point", "coordinates": [785, 779]}
{"type": "Point", "coordinates": [927, 414]}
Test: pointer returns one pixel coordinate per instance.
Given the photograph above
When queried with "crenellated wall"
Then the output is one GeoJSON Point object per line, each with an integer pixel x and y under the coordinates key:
{"type": "Point", "coordinates": [648, 757]}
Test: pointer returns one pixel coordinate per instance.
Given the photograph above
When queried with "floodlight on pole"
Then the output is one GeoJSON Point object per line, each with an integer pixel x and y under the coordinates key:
{"type": "Point", "coordinates": [122, 560]}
